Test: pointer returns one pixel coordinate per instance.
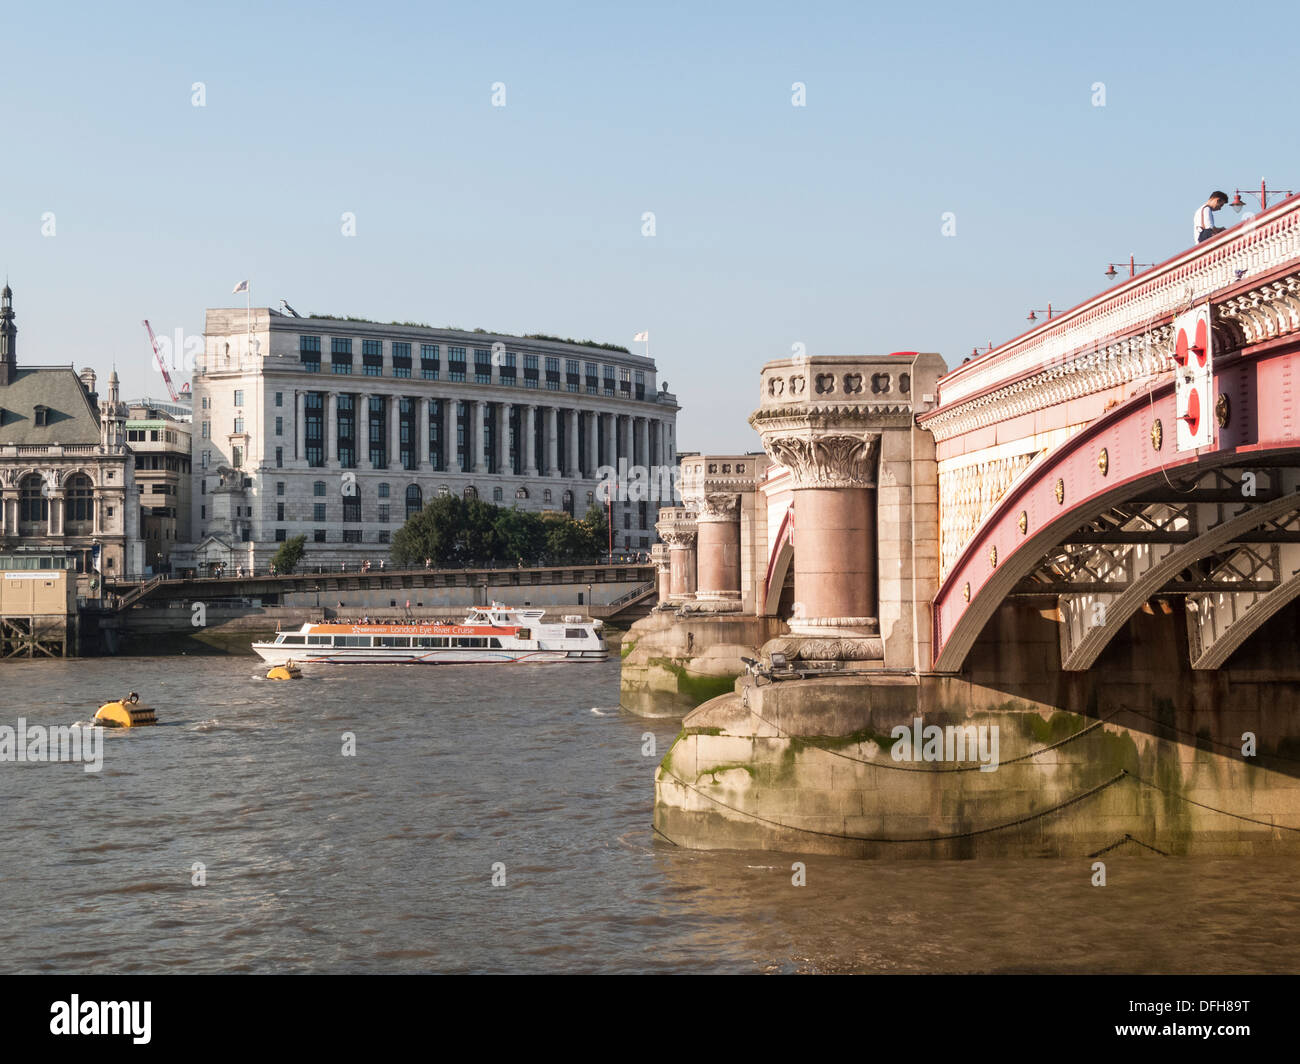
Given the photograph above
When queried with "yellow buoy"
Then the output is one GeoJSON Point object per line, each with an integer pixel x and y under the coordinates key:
{"type": "Point", "coordinates": [287, 671]}
{"type": "Point", "coordinates": [125, 713]}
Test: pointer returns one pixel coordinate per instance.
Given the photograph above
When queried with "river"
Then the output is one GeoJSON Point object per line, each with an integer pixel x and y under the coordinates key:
{"type": "Point", "coordinates": [383, 861]}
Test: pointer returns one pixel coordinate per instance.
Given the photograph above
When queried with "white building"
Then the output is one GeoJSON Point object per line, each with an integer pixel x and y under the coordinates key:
{"type": "Point", "coordinates": [338, 429]}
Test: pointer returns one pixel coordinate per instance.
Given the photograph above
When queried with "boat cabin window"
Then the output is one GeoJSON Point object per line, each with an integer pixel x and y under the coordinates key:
{"type": "Point", "coordinates": [431, 642]}
{"type": "Point", "coordinates": [320, 640]}
{"type": "Point", "coordinates": [352, 641]}
{"type": "Point", "coordinates": [575, 633]}
{"type": "Point", "coordinates": [525, 633]}
{"type": "Point", "coordinates": [494, 643]}
{"type": "Point", "coordinates": [297, 640]}
{"type": "Point", "coordinates": [392, 641]}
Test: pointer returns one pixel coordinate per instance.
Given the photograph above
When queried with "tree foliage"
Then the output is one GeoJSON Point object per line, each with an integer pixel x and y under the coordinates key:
{"type": "Point", "coordinates": [290, 554]}
{"type": "Point", "coordinates": [453, 532]}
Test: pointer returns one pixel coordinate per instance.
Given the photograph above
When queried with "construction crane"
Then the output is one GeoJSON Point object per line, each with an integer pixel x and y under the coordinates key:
{"type": "Point", "coordinates": [162, 365]}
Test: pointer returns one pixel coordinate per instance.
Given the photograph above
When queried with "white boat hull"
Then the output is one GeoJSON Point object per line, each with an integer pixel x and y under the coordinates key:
{"type": "Point", "coordinates": [279, 655]}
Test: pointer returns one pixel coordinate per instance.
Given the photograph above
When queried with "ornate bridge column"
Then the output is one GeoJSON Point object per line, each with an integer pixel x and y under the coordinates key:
{"type": "Point", "coordinates": [676, 527]}
{"type": "Point", "coordinates": [659, 554]}
{"type": "Point", "coordinates": [865, 502]}
{"type": "Point", "coordinates": [718, 552]}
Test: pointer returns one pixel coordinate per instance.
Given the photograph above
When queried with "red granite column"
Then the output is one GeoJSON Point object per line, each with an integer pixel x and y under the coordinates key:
{"type": "Point", "coordinates": [718, 550]}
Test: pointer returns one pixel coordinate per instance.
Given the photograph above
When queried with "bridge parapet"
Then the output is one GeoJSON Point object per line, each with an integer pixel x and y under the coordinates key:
{"type": "Point", "coordinates": [1252, 250]}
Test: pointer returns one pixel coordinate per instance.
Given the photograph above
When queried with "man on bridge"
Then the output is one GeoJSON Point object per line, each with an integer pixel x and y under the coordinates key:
{"type": "Point", "coordinates": [1203, 226]}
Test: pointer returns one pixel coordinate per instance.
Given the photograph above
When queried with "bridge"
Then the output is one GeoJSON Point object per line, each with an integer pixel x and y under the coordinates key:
{"type": "Point", "coordinates": [1070, 539]}
{"type": "Point", "coordinates": [1059, 473]}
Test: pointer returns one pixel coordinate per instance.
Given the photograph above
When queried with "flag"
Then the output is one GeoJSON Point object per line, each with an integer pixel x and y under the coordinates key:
{"type": "Point", "coordinates": [641, 337]}
{"type": "Point", "coordinates": [241, 287]}
{"type": "Point", "coordinates": [95, 554]}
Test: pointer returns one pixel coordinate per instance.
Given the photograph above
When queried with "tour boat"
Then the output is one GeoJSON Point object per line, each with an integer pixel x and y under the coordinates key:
{"type": "Point", "coordinates": [488, 635]}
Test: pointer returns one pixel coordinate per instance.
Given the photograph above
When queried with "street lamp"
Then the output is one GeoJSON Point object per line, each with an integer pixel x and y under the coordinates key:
{"type": "Point", "coordinates": [1263, 194]}
{"type": "Point", "coordinates": [1033, 315]}
{"type": "Point", "coordinates": [1133, 267]}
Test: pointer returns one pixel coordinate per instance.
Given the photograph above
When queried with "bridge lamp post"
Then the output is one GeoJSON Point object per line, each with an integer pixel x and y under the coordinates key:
{"type": "Point", "coordinates": [1238, 203]}
{"type": "Point", "coordinates": [1033, 314]}
{"type": "Point", "coordinates": [1133, 267]}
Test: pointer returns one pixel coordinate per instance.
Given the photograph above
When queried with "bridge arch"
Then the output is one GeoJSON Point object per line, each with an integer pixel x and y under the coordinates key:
{"type": "Point", "coordinates": [1113, 461]}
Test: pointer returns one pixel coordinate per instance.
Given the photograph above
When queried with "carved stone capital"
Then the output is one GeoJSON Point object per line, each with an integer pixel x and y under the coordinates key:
{"type": "Point", "coordinates": [679, 538]}
{"type": "Point", "coordinates": [825, 459]}
{"type": "Point", "coordinates": [808, 650]}
{"type": "Point", "coordinates": [676, 526]}
{"type": "Point", "coordinates": [719, 506]}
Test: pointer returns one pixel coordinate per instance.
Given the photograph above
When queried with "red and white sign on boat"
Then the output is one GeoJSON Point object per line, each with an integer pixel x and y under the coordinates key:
{"type": "Point", "coordinates": [489, 635]}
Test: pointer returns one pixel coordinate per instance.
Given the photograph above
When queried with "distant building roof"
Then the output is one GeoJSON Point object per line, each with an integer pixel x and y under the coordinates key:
{"type": "Point", "coordinates": [69, 417]}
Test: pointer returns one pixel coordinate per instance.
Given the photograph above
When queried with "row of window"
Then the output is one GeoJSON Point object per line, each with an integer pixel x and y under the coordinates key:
{"type": "Point", "coordinates": [599, 377]}
{"type": "Point", "coordinates": [353, 535]}
{"type": "Point", "coordinates": [402, 642]}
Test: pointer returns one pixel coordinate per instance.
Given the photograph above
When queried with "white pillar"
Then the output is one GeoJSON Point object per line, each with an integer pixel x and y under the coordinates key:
{"type": "Point", "coordinates": [503, 440]}
{"type": "Point", "coordinates": [625, 427]}
{"type": "Point", "coordinates": [422, 434]}
{"type": "Point", "coordinates": [552, 442]}
{"type": "Point", "coordinates": [363, 431]}
{"type": "Point", "coordinates": [611, 440]}
{"type": "Point", "coordinates": [642, 455]}
{"type": "Point", "coordinates": [528, 425]}
{"type": "Point", "coordinates": [332, 428]}
{"type": "Point", "coordinates": [393, 404]}
{"type": "Point", "coordinates": [480, 437]}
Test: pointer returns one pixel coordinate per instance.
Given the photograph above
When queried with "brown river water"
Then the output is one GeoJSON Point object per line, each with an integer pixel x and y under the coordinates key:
{"type": "Point", "coordinates": [384, 861]}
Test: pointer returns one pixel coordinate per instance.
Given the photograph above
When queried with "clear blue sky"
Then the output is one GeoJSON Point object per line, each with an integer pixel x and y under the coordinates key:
{"type": "Point", "coordinates": [775, 224]}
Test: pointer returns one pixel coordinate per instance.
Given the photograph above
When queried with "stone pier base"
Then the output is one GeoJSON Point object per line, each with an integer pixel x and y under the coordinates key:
{"type": "Point", "coordinates": [1135, 757]}
{"type": "Point", "coordinates": [672, 663]}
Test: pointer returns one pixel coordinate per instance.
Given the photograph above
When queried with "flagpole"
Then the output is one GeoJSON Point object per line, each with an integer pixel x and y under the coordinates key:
{"type": "Point", "coordinates": [248, 292]}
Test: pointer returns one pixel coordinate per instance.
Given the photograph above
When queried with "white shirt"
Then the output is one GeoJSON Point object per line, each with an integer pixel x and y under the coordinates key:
{"type": "Point", "coordinates": [1204, 220]}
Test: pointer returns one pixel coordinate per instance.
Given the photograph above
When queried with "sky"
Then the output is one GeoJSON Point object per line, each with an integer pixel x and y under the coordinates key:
{"type": "Point", "coordinates": [773, 224]}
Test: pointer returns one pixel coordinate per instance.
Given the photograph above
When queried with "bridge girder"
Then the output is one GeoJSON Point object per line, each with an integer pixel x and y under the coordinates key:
{"type": "Point", "coordinates": [1113, 512]}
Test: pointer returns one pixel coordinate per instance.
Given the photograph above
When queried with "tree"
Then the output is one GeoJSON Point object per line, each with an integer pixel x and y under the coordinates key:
{"type": "Point", "coordinates": [435, 532]}
{"type": "Point", "coordinates": [290, 554]}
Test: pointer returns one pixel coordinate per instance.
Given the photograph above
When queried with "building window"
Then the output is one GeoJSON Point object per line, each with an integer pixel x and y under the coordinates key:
{"type": "Point", "coordinates": [546, 496]}
{"type": "Point", "coordinates": [496, 494]}
{"type": "Point", "coordinates": [414, 500]}
{"type": "Point", "coordinates": [206, 432]}
{"type": "Point", "coordinates": [239, 425]}
{"type": "Point", "coordinates": [382, 516]}
{"type": "Point", "coordinates": [239, 396]}
{"type": "Point", "coordinates": [407, 429]}
{"type": "Point", "coordinates": [435, 434]}
{"type": "Point", "coordinates": [352, 535]}
{"type": "Point", "coordinates": [471, 492]}
{"type": "Point", "coordinates": [318, 489]}
{"type": "Point", "coordinates": [314, 428]}
{"type": "Point", "coordinates": [384, 536]}
{"type": "Point", "coordinates": [237, 457]}
{"type": "Point", "coordinates": [279, 458]}
{"type": "Point", "coordinates": [279, 487]}
{"type": "Point", "coordinates": [482, 366]}
{"type": "Point", "coordinates": [552, 374]}
{"type": "Point", "coordinates": [382, 491]}
{"type": "Point", "coordinates": [341, 354]}
{"type": "Point", "coordinates": [345, 416]}
{"type": "Point", "coordinates": [352, 508]}
{"type": "Point", "coordinates": [378, 432]}
{"type": "Point", "coordinates": [372, 357]}
{"type": "Point", "coordinates": [318, 535]}
{"type": "Point", "coordinates": [401, 359]}
{"type": "Point", "coordinates": [309, 353]}
{"type": "Point", "coordinates": [429, 361]}
{"type": "Point", "coordinates": [279, 511]}
{"type": "Point", "coordinates": [279, 398]}
{"type": "Point", "coordinates": [318, 511]}
{"type": "Point", "coordinates": [33, 506]}
{"type": "Point", "coordinates": [280, 535]}
{"type": "Point", "coordinates": [279, 426]}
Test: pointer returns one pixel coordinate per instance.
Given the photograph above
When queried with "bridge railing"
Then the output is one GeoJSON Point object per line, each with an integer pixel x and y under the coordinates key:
{"type": "Point", "coordinates": [1250, 248]}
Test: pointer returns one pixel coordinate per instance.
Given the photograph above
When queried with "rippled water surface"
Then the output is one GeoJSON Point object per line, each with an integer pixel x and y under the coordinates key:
{"type": "Point", "coordinates": [383, 862]}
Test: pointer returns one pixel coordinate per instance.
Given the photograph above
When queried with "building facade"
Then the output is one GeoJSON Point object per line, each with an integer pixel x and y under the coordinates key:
{"type": "Point", "coordinates": [67, 484]}
{"type": "Point", "coordinates": [161, 448]}
{"type": "Point", "coordinates": [340, 429]}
